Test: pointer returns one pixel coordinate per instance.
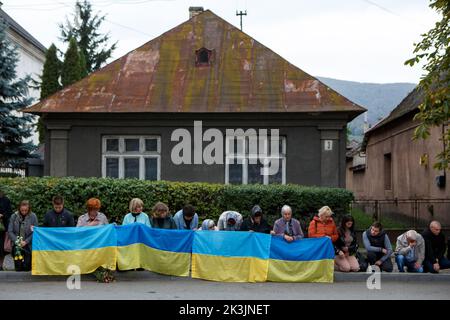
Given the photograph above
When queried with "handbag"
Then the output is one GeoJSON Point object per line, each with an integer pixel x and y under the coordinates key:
{"type": "Point", "coordinates": [7, 244]}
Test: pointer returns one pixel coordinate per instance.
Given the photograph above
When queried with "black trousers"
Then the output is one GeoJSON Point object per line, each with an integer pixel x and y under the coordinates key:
{"type": "Point", "coordinates": [373, 257]}
{"type": "Point", "coordinates": [24, 265]}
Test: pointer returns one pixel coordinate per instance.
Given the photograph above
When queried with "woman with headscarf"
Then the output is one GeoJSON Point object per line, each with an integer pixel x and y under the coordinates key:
{"type": "Point", "coordinates": [208, 225]}
{"type": "Point", "coordinates": [287, 227]}
{"type": "Point", "coordinates": [230, 221]}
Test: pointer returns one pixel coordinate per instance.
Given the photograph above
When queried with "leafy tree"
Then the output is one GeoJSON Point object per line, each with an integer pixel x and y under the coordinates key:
{"type": "Point", "coordinates": [71, 68]}
{"type": "Point", "coordinates": [14, 127]}
{"type": "Point", "coordinates": [434, 51]}
{"type": "Point", "coordinates": [49, 81]}
{"type": "Point", "coordinates": [85, 29]}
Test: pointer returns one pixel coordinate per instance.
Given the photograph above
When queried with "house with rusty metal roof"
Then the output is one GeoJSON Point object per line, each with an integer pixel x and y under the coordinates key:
{"type": "Point", "coordinates": [393, 174]}
{"type": "Point", "coordinates": [122, 120]}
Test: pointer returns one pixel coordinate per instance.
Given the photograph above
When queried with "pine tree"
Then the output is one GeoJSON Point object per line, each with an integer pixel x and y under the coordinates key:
{"type": "Point", "coordinates": [14, 127]}
{"type": "Point", "coordinates": [84, 29]}
{"type": "Point", "coordinates": [50, 74]}
{"type": "Point", "coordinates": [83, 66]}
{"type": "Point", "coordinates": [49, 81]}
{"type": "Point", "coordinates": [71, 68]}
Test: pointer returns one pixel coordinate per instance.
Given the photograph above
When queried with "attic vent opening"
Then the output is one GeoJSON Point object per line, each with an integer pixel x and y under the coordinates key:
{"type": "Point", "coordinates": [203, 57]}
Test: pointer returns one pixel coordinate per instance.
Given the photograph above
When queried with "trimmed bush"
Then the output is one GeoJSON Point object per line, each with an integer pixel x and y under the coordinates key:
{"type": "Point", "coordinates": [210, 200]}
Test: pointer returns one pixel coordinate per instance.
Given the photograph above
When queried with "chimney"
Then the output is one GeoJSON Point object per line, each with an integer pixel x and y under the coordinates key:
{"type": "Point", "coordinates": [193, 11]}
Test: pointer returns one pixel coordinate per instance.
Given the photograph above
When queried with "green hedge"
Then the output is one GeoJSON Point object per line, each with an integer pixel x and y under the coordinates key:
{"type": "Point", "coordinates": [209, 199]}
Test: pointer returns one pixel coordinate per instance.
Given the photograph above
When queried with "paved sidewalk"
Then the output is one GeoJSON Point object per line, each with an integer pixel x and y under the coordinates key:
{"type": "Point", "coordinates": [443, 277]}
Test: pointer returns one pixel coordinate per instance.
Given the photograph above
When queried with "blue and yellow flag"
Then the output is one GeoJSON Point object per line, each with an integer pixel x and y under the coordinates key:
{"type": "Point", "coordinates": [230, 256]}
{"type": "Point", "coordinates": [305, 260]}
{"type": "Point", "coordinates": [162, 251]}
{"type": "Point", "coordinates": [56, 251]}
{"type": "Point", "coordinates": [216, 255]}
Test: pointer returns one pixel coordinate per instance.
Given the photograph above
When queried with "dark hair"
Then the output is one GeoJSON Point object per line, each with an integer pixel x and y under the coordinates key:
{"type": "Point", "coordinates": [377, 225]}
{"type": "Point", "coordinates": [344, 221]}
{"type": "Point", "coordinates": [58, 200]}
{"type": "Point", "coordinates": [188, 211]}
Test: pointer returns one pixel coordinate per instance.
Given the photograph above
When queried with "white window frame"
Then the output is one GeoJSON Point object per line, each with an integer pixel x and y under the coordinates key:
{"type": "Point", "coordinates": [142, 154]}
{"type": "Point", "coordinates": [245, 159]}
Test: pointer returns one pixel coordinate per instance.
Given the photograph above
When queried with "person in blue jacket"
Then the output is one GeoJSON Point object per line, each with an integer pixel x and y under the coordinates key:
{"type": "Point", "coordinates": [186, 218]}
{"type": "Point", "coordinates": [136, 214]}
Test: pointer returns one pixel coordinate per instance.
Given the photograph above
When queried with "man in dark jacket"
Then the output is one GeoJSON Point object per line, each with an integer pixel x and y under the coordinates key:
{"type": "Point", "coordinates": [256, 222]}
{"type": "Point", "coordinates": [378, 246]}
{"type": "Point", "coordinates": [435, 248]}
{"type": "Point", "coordinates": [58, 216]}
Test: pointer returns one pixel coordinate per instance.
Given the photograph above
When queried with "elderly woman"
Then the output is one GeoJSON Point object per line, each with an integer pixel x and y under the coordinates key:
{"type": "Point", "coordinates": [136, 215]}
{"type": "Point", "coordinates": [161, 218]}
{"type": "Point", "coordinates": [20, 231]}
{"type": "Point", "coordinates": [346, 246]}
{"type": "Point", "coordinates": [230, 221]}
{"type": "Point", "coordinates": [323, 225]}
{"type": "Point", "coordinates": [208, 225]}
{"type": "Point", "coordinates": [287, 227]}
{"type": "Point", "coordinates": [93, 217]}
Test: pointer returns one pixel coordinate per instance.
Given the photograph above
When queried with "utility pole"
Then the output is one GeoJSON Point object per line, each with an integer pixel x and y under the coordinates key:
{"type": "Point", "coordinates": [241, 14]}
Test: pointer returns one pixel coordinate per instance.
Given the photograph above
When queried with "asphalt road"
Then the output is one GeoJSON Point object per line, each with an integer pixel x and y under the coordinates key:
{"type": "Point", "coordinates": [156, 287]}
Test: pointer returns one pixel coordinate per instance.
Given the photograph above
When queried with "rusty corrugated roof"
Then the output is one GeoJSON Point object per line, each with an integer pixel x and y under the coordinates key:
{"type": "Point", "coordinates": [161, 76]}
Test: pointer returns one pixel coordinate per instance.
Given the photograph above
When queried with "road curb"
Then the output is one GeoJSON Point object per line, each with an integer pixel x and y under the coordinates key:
{"type": "Point", "coordinates": [12, 276]}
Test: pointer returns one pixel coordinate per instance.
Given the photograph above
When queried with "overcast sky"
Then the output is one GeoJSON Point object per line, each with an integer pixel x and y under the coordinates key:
{"type": "Point", "coordinates": [358, 40]}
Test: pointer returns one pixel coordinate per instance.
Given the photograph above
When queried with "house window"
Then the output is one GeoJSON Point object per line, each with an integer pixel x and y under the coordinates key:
{"type": "Point", "coordinates": [243, 164]}
{"type": "Point", "coordinates": [387, 171]}
{"type": "Point", "coordinates": [203, 57]}
{"type": "Point", "coordinates": [131, 157]}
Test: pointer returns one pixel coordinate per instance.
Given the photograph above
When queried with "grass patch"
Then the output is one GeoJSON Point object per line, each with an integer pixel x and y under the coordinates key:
{"type": "Point", "coordinates": [363, 221]}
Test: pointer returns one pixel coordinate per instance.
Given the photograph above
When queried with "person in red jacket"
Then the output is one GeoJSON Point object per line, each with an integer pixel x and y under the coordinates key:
{"type": "Point", "coordinates": [323, 225]}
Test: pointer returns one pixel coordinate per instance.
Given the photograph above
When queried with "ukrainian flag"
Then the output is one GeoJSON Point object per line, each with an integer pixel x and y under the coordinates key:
{"type": "Point", "coordinates": [158, 250]}
{"type": "Point", "coordinates": [58, 251]}
{"type": "Point", "coordinates": [305, 260]}
{"type": "Point", "coordinates": [230, 256]}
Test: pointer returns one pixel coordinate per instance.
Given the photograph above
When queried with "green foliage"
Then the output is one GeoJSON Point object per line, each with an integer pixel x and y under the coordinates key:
{"type": "Point", "coordinates": [14, 127]}
{"type": "Point", "coordinates": [71, 68]}
{"type": "Point", "coordinates": [83, 67]}
{"type": "Point", "coordinates": [363, 221]}
{"type": "Point", "coordinates": [434, 52]}
{"type": "Point", "coordinates": [210, 200]}
{"type": "Point", "coordinates": [85, 29]}
{"type": "Point", "coordinates": [50, 73]}
{"type": "Point", "coordinates": [49, 81]}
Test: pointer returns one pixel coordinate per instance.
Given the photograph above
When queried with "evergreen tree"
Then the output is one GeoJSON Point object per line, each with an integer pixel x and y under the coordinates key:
{"type": "Point", "coordinates": [49, 81]}
{"type": "Point", "coordinates": [71, 68]}
{"type": "Point", "coordinates": [83, 66]}
{"type": "Point", "coordinates": [50, 74]}
{"type": "Point", "coordinates": [85, 29]}
{"type": "Point", "coordinates": [14, 127]}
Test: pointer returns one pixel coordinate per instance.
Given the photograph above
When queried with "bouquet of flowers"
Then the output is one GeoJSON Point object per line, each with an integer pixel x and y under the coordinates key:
{"type": "Point", "coordinates": [18, 256]}
{"type": "Point", "coordinates": [104, 275]}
